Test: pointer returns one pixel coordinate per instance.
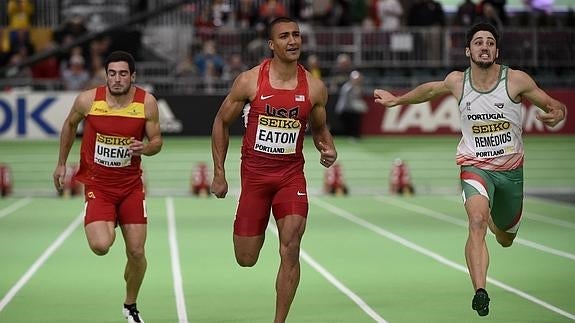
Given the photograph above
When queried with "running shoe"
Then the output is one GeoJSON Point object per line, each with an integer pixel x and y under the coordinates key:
{"type": "Point", "coordinates": [480, 302]}
{"type": "Point", "coordinates": [132, 314]}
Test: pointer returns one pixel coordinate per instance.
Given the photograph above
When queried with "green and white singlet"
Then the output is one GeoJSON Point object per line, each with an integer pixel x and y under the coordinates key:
{"type": "Point", "coordinates": [491, 126]}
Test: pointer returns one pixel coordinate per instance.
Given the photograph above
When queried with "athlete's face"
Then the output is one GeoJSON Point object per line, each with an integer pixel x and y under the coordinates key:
{"type": "Point", "coordinates": [119, 78]}
{"type": "Point", "coordinates": [483, 49]}
{"type": "Point", "coordinates": [286, 41]}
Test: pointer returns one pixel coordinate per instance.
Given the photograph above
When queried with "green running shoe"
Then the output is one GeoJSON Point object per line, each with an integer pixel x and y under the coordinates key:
{"type": "Point", "coordinates": [480, 302]}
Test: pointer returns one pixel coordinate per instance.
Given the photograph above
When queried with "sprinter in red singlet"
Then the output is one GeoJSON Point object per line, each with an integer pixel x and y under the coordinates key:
{"type": "Point", "coordinates": [121, 123]}
{"type": "Point", "coordinates": [278, 98]}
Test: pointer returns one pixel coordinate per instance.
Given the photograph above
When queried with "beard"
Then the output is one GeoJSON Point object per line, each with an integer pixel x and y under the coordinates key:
{"type": "Point", "coordinates": [482, 65]}
{"type": "Point", "coordinates": [119, 92]}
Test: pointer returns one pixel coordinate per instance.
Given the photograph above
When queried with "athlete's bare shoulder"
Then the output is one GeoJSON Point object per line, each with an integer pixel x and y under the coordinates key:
{"type": "Point", "coordinates": [518, 77]}
{"type": "Point", "coordinates": [519, 82]}
{"type": "Point", "coordinates": [454, 78]}
{"type": "Point", "coordinates": [454, 82]}
{"type": "Point", "coordinates": [317, 89]}
{"type": "Point", "coordinates": [245, 84]}
{"type": "Point", "coordinates": [150, 99]}
{"type": "Point", "coordinates": [84, 101]}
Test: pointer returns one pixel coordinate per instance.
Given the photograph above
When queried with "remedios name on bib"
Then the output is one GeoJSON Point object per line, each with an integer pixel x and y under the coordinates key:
{"type": "Point", "coordinates": [277, 135]}
{"type": "Point", "coordinates": [111, 151]}
{"type": "Point", "coordinates": [493, 139]}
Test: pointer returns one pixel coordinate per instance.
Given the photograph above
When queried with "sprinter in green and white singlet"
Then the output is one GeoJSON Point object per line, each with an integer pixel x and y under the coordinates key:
{"type": "Point", "coordinates": [491, 148]}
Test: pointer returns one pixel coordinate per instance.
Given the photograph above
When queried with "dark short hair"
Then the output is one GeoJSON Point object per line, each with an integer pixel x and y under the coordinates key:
{"type": "Point", "coordinates": [276, 21]}
{"type": "Point", "coordinates": [481, 26]}
{"type": "Point", "coordinates": [121, 56]}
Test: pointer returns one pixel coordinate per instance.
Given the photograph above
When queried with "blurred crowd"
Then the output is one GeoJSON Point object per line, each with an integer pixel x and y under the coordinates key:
{"type": "Point", "coordinates": [80, 67]}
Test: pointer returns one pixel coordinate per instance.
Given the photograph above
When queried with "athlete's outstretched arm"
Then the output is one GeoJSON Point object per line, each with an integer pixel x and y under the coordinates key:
{"type": "Point", "coordinates": [422, 93]}
{"type": "Point", "coordinates": [229, 111]}
{"type": "Point", "coordinates": [77, 113]}
{"type": "Point", "coordinates": [555, 111]}
{"type": "Point", "coordinates": [322, 138]}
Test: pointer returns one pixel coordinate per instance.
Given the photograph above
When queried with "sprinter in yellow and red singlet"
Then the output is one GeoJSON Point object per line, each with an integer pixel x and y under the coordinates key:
{"type": "Point", "coordinates": [279, 99]}
{"type": "Point", "coordinates": [121, 123]}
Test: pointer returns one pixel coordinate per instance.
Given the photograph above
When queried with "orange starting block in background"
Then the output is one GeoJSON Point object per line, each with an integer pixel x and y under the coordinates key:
{"type": "Point", "coordinates": [5, 180]}
{"type": "Point", "coordinates": [200, 182]}
{"type": "Point", "coordinates": [71, 186]}
{"type": "Point", "coordinates": [334, 182]}
{"type": "Point", "coordinates": [400, 179]}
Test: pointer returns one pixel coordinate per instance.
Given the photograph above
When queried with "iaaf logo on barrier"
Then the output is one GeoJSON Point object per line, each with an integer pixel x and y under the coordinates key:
{"type": "Point", "coordinates": [423, 118]}
{"type": "Point", "coordinates": [35, 115]}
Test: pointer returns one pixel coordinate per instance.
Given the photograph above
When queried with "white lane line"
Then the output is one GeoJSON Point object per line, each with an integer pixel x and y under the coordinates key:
{"type": "Point", "coordinates": [361, 222]}
{"type": "Point", "coordinates": [15, 206]}
{"type": "Point", "coordinates": [40, 261]}
{"type": "Point", "coordinates": [334, 281]}
{"type": "Point", "coordinates": [175, 258]}
{"type": "Point", "coordinates": [440, 216]}
{"type": "Point", "coordinates": [550, 220]}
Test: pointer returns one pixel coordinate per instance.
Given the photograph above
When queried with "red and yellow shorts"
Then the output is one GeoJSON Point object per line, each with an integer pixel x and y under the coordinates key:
{"type": "Point", "coordinates": [122, 206]}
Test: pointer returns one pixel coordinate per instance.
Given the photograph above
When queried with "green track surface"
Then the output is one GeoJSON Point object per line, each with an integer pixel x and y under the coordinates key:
{"type": "Point", "coordinates": [400, 258]}
{"type": "Point", "coordinates": [549, 165]}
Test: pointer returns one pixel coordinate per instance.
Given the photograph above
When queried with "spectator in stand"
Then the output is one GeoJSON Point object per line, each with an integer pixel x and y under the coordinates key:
{"type": "Point", "coordinates": [20, 41]}
{"type": "Point", "coordinates": [20, 14]}
{"type": "Point", "coordinates": [339, 13]}
{"type": "Point", "coordinates": [389, 14]}
{"type": "Point", "coordinates": [320, 10]}
{"type": "Point", "coordinates": [208, 60]}
{"type": "Point", "coordinates": [16, 58]}
{"type": "Point", "coordinates": [221, 13]}
{"type": "Point", "coordinates": [351, 106]}
{"type": "Point", "coordinates": [72, 29]}
{"type": "Point", "coordinates": [541, 12]}
{"type": "Point", "coordinates": [203, 24]}
{"type": "Point", "coordinates": [4, 48]}
{"type": "Point", "coordinates": [358, 11]}
{"type": "Point", "coordinates": [75, 76]}
{"type": "Point", "coordinates": [48, 68]}
{"type": "Point", "coordinates": [234, 67]}
{"type": "Point", "coordinates": [68, 32]}
{"type": "Point", "coordinates": [271, 9]}
{"type": "Point", "coordinates": [186, 67]}
{"type": "Point", "coordinates": [340, 73]}
{"type": "Point", "coordinates": [258, 48]}
{"type": "Point", "coordinates": [426, 13]}
{"type": "Point", "coordinates": [313, 66]}
{"type": "Point", "coordinates": [246, 14]}
{"type": "Point", "coordinates": [465, 15]}
{"type": "Point", "coordinates": [498, 6]}
{"type": "Point", "coordinates": [100, 47]}
{"type": "Point", "coordinates": [489, 14]}
{"type": "Point", "coordinates": [97, 72]}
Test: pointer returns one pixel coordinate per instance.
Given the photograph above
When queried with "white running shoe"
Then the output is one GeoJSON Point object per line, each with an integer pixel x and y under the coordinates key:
{"type": "Point", "coordinates": [132, 314]}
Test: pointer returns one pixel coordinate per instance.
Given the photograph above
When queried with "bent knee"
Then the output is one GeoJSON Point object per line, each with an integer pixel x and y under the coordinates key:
{"type": "Point", "coordinates": [505, 243]}
{"type": "Point", "coordinates": [246, 261]}
{"type": "Point", "coordinates": [99, 249]}
{"type": "Point", "coordinates": [505, 240]}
